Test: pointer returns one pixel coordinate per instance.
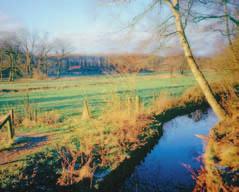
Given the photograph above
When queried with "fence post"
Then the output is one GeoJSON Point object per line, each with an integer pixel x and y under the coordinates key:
{"type": "Point", "coordinates": [35, 115]}
{"type": "Point", "coordinates": [11, 131]}
{"type": "Point", "coordinates": [137, 104]}
{"type": "Point", "coordinates": [129, 105]}
{"type": "Point", "coordinates": [154, 97]}
{"type": "Point", "coordinates": [13, 121]}
{"type": "Point", "coordinates": [85, 112]}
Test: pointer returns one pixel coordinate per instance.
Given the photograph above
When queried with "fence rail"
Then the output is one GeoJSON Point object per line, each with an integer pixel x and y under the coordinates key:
{"type": "Point", "coordinates": [9, 121]}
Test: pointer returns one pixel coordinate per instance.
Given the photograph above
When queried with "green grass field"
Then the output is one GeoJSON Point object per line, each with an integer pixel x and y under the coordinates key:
{"type": "Point", "coordinates": [67, 95]}
{"type": "Point", "coordinates": [64, 97]}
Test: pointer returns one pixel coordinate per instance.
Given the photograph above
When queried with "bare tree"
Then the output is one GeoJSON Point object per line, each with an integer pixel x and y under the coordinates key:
{"type": "Point", "coordinates": [10, 46]}
{"type": "Point", "coordinates": [178, 14]}
{"type": "Point", "coordinates": [28, 45]}
{"type": "Point", "coordinates": [225, 12]}
{"type": "Point", "coordinates": [44, 47]}
{"type": "Point", "coordinates": [229, 31]}
{"type": "Point", "coordinates": [175, 8]}
{"type": "Point", "coordinates": [62, 49]}
{"type": "Point", "coordinates": [1, 62]}
{"type": "Point", "coordinates": [231, 14]}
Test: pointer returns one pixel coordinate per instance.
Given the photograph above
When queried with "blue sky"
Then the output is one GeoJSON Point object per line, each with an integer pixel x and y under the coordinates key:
{"type": "Point", "coordinates": [92, 26]}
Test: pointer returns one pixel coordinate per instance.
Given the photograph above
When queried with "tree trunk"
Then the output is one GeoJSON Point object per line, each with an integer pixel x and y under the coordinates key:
{"type": "Point", "coordinates": [58, 75]}
{"type": "Point", "coordinates": [28, 63]}
{"type": "Point", "coordinates": [1, 66]}
{"type": "Point", "coordinates": [39, 63]}
{"type": "Point", "coordinates": [11, 72]}
{"type": "Point", "coordinates": [200, 78]}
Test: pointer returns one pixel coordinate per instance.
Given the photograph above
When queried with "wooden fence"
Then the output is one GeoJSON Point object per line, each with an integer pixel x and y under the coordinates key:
{"type": "Point", "coordinates": [9, 121]}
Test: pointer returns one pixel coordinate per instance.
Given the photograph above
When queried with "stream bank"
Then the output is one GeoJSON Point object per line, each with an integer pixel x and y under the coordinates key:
{"type": "Point", "coordinates": [221, 158]}
{"type": "Point", "coordinates": [115, 179]}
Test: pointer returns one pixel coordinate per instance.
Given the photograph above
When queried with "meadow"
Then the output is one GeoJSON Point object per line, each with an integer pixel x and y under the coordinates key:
{"type": "Point", "coordinates": [66, 95]}
{"type": "Point", "coordinates": [75, 147]}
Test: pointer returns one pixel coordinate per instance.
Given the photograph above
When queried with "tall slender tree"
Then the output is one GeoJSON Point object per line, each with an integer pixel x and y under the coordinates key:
{"type": "Point", "coordinates": [28, 45]}
{"type": "Point", "coordinates": [44, 47]}
{"type": "Point", "coordinates": [177, 14]}
{"type": "Point", "coordinates": [200, 78]}
{"type": "Point", "coordinates": [63, 49]}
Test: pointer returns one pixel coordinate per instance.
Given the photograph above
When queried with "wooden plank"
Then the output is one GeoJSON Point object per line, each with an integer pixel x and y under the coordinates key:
{"type": "Point", "coordinates": [10, 130]}
{"type": "Point", "coordinates": [12, 122]}
{"type": "Point", "coordinates": [86, 112]}
{"type": "Point", "coordinates": [10, 126]}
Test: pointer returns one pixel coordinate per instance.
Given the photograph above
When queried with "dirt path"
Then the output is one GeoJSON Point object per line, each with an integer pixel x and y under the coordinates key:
{"type": "Point", "coordinates": [24, 145]}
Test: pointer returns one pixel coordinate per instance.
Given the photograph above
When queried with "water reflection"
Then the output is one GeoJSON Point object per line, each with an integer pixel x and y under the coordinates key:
{"type": "Point", "coordinates": [162, 169]}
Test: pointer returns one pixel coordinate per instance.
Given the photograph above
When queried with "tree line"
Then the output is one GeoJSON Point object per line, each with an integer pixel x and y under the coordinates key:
{"type": "Point", "coordinates": [36, 55]}
{"type": "Point", "coordinates": [27, 54]}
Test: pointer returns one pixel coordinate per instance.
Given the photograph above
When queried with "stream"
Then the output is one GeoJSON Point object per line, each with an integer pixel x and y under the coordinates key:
{"type": "Point", "coordinates": [164, 168]}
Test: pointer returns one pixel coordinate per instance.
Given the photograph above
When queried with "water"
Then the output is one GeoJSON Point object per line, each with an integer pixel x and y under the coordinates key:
{"type": "Point", "coordinates": [162, 169]}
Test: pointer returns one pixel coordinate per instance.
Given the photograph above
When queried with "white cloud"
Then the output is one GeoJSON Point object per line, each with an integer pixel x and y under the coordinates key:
{"type": "Point", "coordinates": [8, 24]}
{"type": "Point", "coordinates": [94, 42]}
{"type": "Point", "coordinates": [97, 41]}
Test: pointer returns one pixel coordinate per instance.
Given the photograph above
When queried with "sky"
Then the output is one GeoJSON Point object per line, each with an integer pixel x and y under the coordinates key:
{"type": "Point", "coordinates": [98, 26]}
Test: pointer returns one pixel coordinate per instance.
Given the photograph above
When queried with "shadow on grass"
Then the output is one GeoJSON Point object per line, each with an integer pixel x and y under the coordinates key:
{"type": "Point", "coordinates": [23, 143]}
{"type": "Point", "coordinates": [40, 174]}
